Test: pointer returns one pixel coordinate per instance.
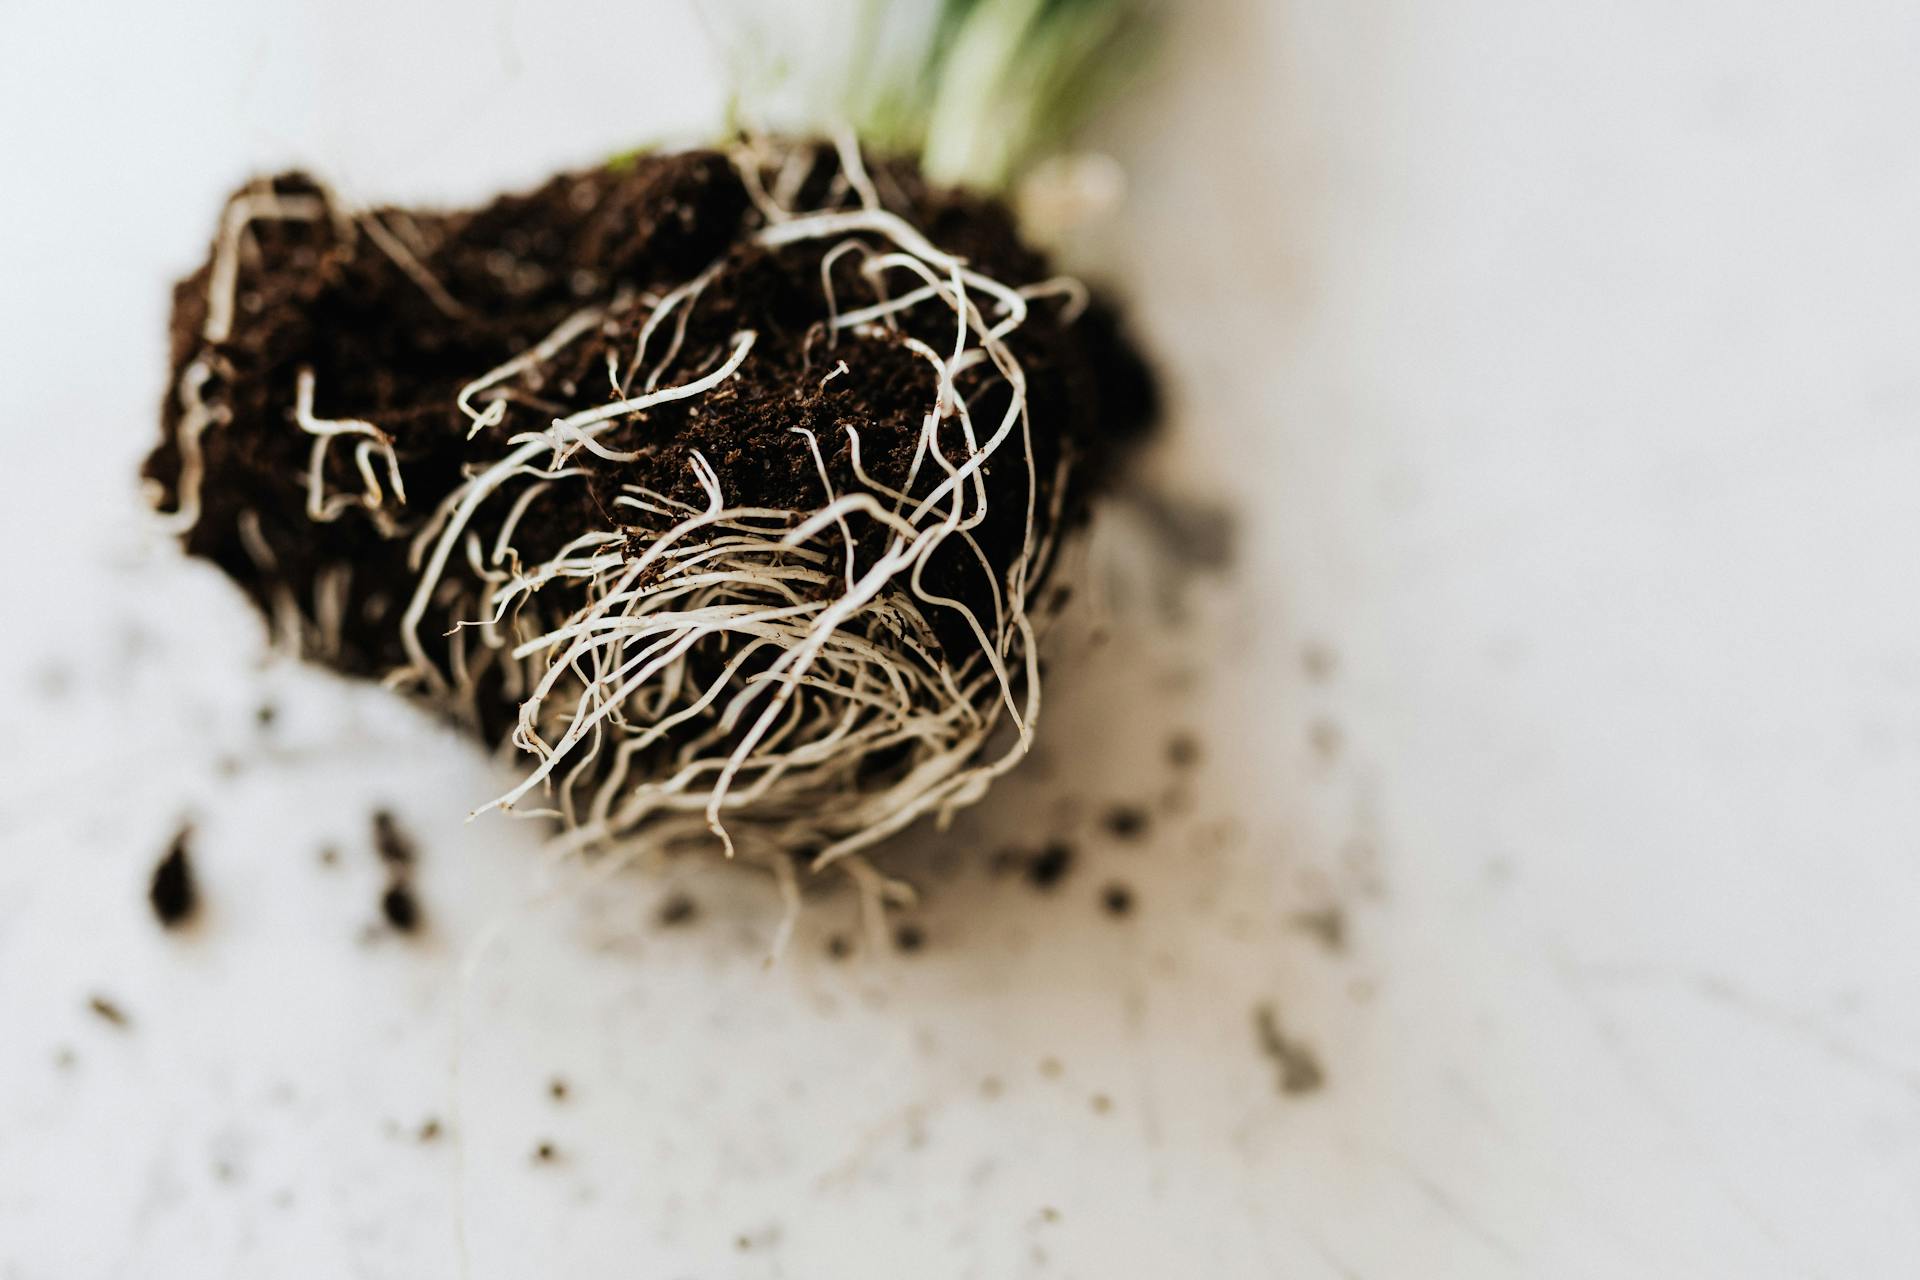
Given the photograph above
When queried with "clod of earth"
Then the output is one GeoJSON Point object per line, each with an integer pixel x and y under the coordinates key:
{"type": "Point", "coordinates": [395, 846]}
{"type": "Point", "coordinates": [1297, 1064]}
{"type": "Point", "coordinates": [726, 486]}
{"type": "Point", "coordinates": [1050, 866]}
{"type": "Point", "coordinates": [173, 892]}
{"type": "Point", "coordinates": [400, 908]}
{"type": "Point", "coordinates": [108, 1011]}
{"type": "Point", "coordinates": [1126, 821]}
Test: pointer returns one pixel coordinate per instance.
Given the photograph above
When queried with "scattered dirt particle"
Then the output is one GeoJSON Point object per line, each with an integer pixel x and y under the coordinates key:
{"type": "Point", "coordinates": [395, 847]}
{"type": "Point", "coordinates": [1319, 661]}
{"type": "Point", "coordinates": [53, 682]}
{"type": "Point", "coordinates": [108, 1010]}
{"type": "Point", "coordinates": [1051, 1068]}
{"type": "Point", "coordinates": [743, 1243]}
{"type": "Point", "coordinates": [329, 856]}
{"type": "Point", "coordinates": [1126, 821]}
{"type": "Point", "coordinates": [1326, 925]}
{"type": "Point", "coordinates": [1101, 1104]}
{"type": "Point", "coordinates": [678, 909]}
{"type": "Point", "coordinates": [839, 946]}
{"type": "Point", "coordinates": [909, 936]}
{"type": "Point", "coordinates": [265, 714]}
{"type": "Point", "coordinates": [557, 1089]}
{"type": "Point", "coordinates": [64, 1058]}
{"type": "Point", "coordinates": [1049, 1214]}
{"type": "Point", "coordinates": [172, 892]}
{"type": "Point", "coordinates": [546, 1153]}
{"type": "Point", "coordinates": [992, 1087]}
{"type": "Point", "coordinates": [1050, 866]}
{"type": "Point", "coordinates": [400, 907]}
{"type": "Point", "coordinates": [1183, 751]}
{"type": "Point", "coordinates": [429, 1129]}
{"type": "Point", "coordinates": [1298, 1066]}
{"type": "Point", "coordinates": [1117, 899]}
{"type": "Point", "coordinates": [1325, 737]}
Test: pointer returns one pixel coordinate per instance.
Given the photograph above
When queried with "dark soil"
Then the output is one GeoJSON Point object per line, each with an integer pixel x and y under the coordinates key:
{"type": "Point", "coordinates": [173, 892]}
{"type": "Point", "coordinates": [400, 908]}
{"type": "Point", "coordinates": [395, 846]}
{"type": "Point", "coordinates": [1296, 1064]}
{"type": "Point", "coordinates": [678, 909]}
{"type": "Point", "coordinates": [1050, 866]}
{"type": "Point", "coordinates": [1117, 899]}
{"type": "Point", "coordinates": [313, 294]}
{"type": "Point", "coordinates": [108, 1011]}
{"type": "Point", "coordinates": [1126, 821]}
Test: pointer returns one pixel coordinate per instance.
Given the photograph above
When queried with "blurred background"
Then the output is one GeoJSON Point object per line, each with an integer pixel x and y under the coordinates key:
{"type": "Point", "coordinates": [1486, 748]}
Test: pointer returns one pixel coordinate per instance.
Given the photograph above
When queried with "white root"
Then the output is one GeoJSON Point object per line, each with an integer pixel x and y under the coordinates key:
{"type": "Point", "coordinates": [325, 431]}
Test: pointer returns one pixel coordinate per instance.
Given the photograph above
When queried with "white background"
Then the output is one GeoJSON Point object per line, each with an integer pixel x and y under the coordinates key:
{"type": "Point", "coordinates": [1561, 361]}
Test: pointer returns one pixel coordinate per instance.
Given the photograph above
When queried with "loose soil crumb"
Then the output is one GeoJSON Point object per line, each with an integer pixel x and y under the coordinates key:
{"type": "Point", "coordinates": [395, 847]}
{"type": "Point", "coordinates": [839, 946]}
{"type": "Point", "coordinates": [545, 1153]}
{"type": "Point", "coordinates": [400, 908]}
{"type": "Point", "coordinates": [678, 909]}
{"type": "Point", "coordinates": [557, 1089]}
{"type": "Point", "coordinates": [329, 856]}
{"type": "Point", "coordinates": [1298, 1065]}
{"type": "Point", "coordinates": [1183, 751]}
{"type": "Point", "coordinates": [108, 1010]}
{"type": "Point", "coordinates": [1126, 821]}
{"type": "Point", "coordinates": [173, 893]}
{"type": "Point", "coordinates": [429, 1130]}
{"type": "Point", "coordinates": [1318, 661]}
{"type": "Point", "coordinates": [909, 937]}
{"type": "Point", "coordinates": [1050, 866]}
{"type": "Point", "coordinates": [1117, 899]}
{"type": "Point", "coordinates": [1326, 925]}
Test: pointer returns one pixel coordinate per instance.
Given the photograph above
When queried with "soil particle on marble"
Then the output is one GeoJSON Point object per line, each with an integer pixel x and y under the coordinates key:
{"type": "Point", "coordinates": [1325, 925]}
{"type": "Point", "coordinates": [173, 892]}
{"type": "Point", "coordinates": [677, 909]}
{"type": "Point", "coordinates": [1125, 821]}
{"type": "Point", "coordinates": [1297, 1065]}
{"type": "Point", "coordinates": [1117, 900]}
{"type": "Point", "coordinates": [1183, 750]}
{"type": "Point", "coordinates": [399, 908]}
{"type": "Point", "coordinates": [909, 937]}
{"type": "Point", "coordinates": [395, 847]}
{"type": "Point", "coordinates": [107, 1011]}
{"type": "Point", "coordinates": [1047, 868]}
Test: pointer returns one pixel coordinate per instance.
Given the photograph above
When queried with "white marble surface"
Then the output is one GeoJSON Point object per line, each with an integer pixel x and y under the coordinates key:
{"type": "Point", "coordinates": [1562, 361]}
